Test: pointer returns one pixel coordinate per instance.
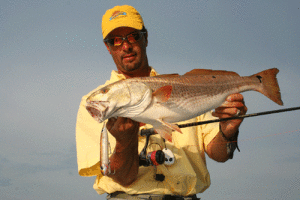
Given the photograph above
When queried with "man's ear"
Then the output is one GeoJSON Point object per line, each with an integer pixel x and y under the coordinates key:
{"type": "Point", "coordinates": [108, 49]}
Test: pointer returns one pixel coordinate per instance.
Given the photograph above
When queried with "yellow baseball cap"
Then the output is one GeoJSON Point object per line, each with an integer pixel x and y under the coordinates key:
{"type": "Point", "coordinates": [121, 16]}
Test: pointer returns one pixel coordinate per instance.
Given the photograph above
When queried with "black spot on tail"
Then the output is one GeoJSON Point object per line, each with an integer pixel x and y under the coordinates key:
{"type": "Point", "coordinates": [259, 78]}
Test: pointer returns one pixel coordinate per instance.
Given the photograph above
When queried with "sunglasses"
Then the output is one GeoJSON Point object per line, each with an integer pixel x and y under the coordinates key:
{"type": "Point", "coordinates": [117, 41]}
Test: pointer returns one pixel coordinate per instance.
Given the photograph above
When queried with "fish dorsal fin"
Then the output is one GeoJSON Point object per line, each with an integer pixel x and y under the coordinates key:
{"type": "Point", "coordinates": [163, 94]}
{"type": "Point", "coordinates": [166, 75]}
{"type": "Point", "coordinates": [210, 72]}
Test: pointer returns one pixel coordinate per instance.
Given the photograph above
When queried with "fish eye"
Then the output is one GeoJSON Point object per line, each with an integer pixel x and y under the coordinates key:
{"type": "Point", "coordinates": [104, 90]}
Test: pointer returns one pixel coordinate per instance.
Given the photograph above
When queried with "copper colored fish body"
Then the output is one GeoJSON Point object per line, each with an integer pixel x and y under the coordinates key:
{"type": "Point", "coordinates": [165, 99]}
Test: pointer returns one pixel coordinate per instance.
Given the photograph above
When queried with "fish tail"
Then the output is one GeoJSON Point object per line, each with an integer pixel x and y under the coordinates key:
{"type": "Point", "coordinates": [269, 85]}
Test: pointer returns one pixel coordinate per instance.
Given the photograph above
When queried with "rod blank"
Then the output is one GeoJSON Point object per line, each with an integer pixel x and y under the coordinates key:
{"type": "Point", "coordinates": [151, 131]}
{"type": "Point", "coordinates": [238, 117]}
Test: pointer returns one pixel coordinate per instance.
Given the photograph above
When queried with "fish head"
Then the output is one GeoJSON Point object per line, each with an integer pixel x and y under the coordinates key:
{"type": "Point", "coordinates": [139, 91]}
{"type": "Point", "coordinates": [105, 102]}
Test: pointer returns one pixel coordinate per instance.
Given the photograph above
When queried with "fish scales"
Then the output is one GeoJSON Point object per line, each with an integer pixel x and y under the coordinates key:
{"type": "Point", "coordinates": [193, 90]}
{"type": "Point", "coordinates": [166, 99]}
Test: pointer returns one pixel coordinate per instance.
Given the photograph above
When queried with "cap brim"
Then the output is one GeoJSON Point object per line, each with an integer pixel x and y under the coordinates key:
{"type": "Point", "coordinates": [122, 23]}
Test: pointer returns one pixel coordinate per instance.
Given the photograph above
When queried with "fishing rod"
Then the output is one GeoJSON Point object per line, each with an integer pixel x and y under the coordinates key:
{"type": "Point", "coordinates": [150, 131]}
{"type": "Point", "coordinates": [144, 158]}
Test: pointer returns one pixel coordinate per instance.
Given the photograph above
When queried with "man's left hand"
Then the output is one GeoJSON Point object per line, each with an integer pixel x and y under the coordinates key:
{"type": "Point", "coordinates": [233, 106]}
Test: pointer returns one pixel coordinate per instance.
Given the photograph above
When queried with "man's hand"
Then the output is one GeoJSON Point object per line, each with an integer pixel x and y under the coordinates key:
{"type": "Point", "coordinates": [233, 106]}
{"type": "Point", "coordinates": [125, 160]}
{"type": "Point", "coordinates": [122, 128]}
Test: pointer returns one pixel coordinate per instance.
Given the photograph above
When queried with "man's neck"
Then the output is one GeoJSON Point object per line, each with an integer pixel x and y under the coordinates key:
{"type": "Point", "coordinates": [142, 72]}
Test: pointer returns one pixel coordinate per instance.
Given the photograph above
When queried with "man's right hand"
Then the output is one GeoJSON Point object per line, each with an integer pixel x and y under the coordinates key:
{"type": "Point", "coordinates": [125, 159]}
{"type": "Point", "coordinates": [123, 128]}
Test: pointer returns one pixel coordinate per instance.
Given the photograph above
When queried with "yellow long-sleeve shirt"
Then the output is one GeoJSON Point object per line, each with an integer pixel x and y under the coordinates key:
{"type": "Point", "coordinates": [187, 176]}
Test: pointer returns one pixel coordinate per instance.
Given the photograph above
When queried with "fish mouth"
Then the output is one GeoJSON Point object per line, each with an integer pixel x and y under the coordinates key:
{"type": "Point", "coordinates": [97, 109]}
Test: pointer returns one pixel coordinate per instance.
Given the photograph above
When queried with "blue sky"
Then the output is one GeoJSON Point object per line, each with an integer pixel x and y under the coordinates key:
{"type": "Point", "coordinates": [52, 54]}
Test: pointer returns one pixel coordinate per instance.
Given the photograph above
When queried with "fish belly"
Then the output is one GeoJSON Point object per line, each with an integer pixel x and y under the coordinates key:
{"type": "Point", "coordinates": [180, 110]}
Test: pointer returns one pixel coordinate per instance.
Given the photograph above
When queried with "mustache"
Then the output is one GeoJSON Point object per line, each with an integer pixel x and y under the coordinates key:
{"type": "Point", "coordinates": [129, 54]}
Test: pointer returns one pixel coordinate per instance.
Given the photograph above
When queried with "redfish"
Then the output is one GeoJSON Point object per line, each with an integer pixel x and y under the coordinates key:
{"type": "Point", "coordinates": [163, 100]}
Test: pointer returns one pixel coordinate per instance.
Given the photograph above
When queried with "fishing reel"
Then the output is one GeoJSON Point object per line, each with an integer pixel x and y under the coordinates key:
{"type": "Point", "coordinates": [153, 158]}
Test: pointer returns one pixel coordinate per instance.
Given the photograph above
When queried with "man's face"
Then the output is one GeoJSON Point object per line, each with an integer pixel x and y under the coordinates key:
{"type": "Point", "coordinates": [128, 57]}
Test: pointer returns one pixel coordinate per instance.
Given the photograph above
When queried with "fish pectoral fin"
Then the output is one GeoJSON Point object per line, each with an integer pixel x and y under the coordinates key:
{"type": "Point", "coordinates": [163, 94]}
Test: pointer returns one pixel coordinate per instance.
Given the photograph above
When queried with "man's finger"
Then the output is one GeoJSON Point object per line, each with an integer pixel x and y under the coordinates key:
{"type": "Point", "coordinates": [235, 97]}
{"type": "Point", "coordinates": [230, 111]}
{"type": "Point", "coordinates": [233, 104]}
{"type": "Point", "coordinates": [110, 123]}
{"type": "Point", "coordinates": [223, 115]}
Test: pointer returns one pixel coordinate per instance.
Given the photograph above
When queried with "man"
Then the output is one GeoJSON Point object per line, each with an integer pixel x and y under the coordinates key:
{"type": "Point", "coordinates": [126, 40]}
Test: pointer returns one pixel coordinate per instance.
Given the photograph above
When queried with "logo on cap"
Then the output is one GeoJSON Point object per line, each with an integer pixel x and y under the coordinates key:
{"type": "Point", "coordinates": [116, 14]}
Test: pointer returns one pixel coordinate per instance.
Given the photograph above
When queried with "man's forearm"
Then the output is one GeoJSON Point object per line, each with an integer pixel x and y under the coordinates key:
{"type": "Point", "coordinates": [217, 149]}
{"type": "Point", "coordinates": [125, 161]}
{"type": "Point", "coordinates": [234, 105]}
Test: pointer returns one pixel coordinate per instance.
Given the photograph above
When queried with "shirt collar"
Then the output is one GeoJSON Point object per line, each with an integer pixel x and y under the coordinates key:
{"type": "Point", "coordinates": [115, 76]}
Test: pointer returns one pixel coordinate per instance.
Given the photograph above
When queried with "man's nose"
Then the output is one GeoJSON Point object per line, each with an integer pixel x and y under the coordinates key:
{"type": "Point", "coordinates": [126, 45]}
